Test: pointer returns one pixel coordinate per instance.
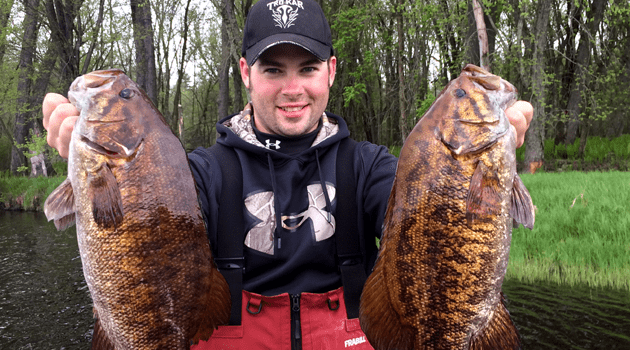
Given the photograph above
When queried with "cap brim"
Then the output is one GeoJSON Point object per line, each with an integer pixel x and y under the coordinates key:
{"type": "Point", "coordinates": [321, 51]}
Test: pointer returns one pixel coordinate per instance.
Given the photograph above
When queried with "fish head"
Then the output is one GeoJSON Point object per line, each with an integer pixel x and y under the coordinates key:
{"type": "Point", "coordinates": [473, 106]}
{"type": "Point", "coordinates": [113, 109]}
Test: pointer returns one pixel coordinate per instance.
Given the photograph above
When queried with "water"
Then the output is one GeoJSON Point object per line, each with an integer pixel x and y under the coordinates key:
{"type": "Point", "coordinates": [44, 300]}
{"type": "Point", "coordinates": [45, 303]}
{"type": "Point", "coordinates": [550, 316]}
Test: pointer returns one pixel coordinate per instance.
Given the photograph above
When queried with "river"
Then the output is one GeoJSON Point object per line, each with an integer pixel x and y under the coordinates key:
{"type": "Point", "coordinates": [45, 303]}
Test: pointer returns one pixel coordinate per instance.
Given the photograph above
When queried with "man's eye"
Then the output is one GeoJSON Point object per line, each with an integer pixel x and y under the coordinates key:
{"type": "Point", "coordinates": [272, 70]}
{"type": "Point", "coordinates": [309, 69]}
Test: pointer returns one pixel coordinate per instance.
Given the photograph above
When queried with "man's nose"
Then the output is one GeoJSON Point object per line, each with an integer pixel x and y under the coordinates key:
{"type": "Point", "coordinates": [293, 85]}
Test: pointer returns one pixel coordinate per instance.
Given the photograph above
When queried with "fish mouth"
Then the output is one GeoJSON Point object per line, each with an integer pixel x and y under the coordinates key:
{"type": "Point", "coordinates": [111, 153]}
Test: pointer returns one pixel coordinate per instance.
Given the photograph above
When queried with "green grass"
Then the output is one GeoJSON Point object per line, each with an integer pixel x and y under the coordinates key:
{"type": "Point", "coordinates": [581, 230]}
{"type": "Point", "coordinates": [28, 193]}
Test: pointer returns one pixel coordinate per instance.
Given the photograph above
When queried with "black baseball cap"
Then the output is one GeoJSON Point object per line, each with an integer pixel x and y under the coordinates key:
{"type": "Point", "coordinates": [297, 22]}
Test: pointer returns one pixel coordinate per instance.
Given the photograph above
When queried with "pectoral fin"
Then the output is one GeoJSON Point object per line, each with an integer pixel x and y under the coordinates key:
{"type": "Point", "coordinates": [484, 197]}
{"type": "Point", "coordinates": [105, 197]}
{"type": "Point", "coordinates": [59, 206]}
{"type": "Point", "coordinates": [522, 206]}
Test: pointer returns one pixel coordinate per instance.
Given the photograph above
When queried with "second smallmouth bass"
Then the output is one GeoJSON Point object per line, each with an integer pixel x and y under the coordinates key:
{"type": "Point", "coordinates": [145, 254]}
{"type": "Point", "coordinates": [445, 246]}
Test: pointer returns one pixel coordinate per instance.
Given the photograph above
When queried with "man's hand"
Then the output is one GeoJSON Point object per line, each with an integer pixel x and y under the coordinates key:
{"type": "Point", "coordinates": [59, 119]}
{"type": "Point", "coordinates": [520, 115]}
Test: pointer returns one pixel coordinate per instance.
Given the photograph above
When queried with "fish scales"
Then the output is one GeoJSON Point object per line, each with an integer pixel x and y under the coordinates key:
{"type": "Point", "coordinates": [444, 251]}
{"type": "Point", "coordinates": [140, 231]}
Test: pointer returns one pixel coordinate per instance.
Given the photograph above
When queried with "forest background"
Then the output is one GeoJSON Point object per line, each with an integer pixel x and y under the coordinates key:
{"type": "Point", "coordinates": [569, 58]}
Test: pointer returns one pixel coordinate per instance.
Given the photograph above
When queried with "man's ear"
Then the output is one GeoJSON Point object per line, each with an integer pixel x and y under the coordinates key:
{"type": "Point", "coordinates": [244, 71]}
{"type": "Point", "coordinates": [332, 69]}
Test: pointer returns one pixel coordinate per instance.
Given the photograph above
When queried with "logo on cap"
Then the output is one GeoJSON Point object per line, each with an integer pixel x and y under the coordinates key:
{"type": "Point", "coordinates": [285, 12]}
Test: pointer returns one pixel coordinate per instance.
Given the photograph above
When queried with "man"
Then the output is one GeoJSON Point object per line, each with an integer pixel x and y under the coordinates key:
{"type": "Point", "coordinates": [287, 149]}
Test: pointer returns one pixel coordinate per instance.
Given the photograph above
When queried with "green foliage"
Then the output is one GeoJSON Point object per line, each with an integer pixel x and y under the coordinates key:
{"type": "Point", "coordinates": [520, 154]}
{"type": "Point", "coordinates": [424, 105]}
{"type": "Point", "coordinates": [549, 149]}
{"type": "Point", "coordinates": [580, 230]}
{"type": "Point", "coordinates": [352, 92]}
{"type": "Point", "coordinates": [348, 25]}
{"type": "Point", "coordinates": [35, 146]}
{"type": "Point", "coordinates": [28, 193]}
{"type": "Point", "coordinates": [620, 146]}
{"type": "Point", "coordinates": [5, 153]}
{"type": "Point", "coordinates": [60, 167]}
{"type": "Point", "coordinates": [573, 150]}
{"type": "Point", "coordinates": [597, 148]}
{"type": "Point", "coordinates": [395, 150]}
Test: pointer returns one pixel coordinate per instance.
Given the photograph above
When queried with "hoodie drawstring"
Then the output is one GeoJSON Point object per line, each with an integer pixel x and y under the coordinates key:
{"type": "Point", "coordinates": [276, 202]}
{"type": "Point", "coordinates": [324, 188]}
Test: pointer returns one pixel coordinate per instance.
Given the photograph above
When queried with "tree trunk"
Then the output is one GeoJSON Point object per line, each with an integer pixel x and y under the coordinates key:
{"type": "Point", "coordinates": [180, 124]}
{"type": "Point", "coordinates": [177, 99]}
{"type": "Point", "coordinates": [5, 14]}
{"type": "Point", "coordinates": [227, 13]}
{"type": "Point", "coordinates": [41, 165]}
{"type": "Point", "coordinates": [23, 122]}
{"type": "Point", "coordinates": [401, 75]}
{"type": "Point", "coordinates": [238, 87]}
{"type": "Point", "coordinates": [534, 152]}
{"type": "Point", "coordinates": [482, 35]}
{"type": "Point", "coordinates": [61, 16]}
{"type": "Point", "coordinates": [143, 40]}
{"type": "Point", "coordinates": [94, 40]}
{"type": "Point", "coordinates": [582, 61]}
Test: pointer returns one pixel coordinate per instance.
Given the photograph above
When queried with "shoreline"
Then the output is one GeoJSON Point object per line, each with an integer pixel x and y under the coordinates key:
{"type": "Point", "coordinates": [589, 249]}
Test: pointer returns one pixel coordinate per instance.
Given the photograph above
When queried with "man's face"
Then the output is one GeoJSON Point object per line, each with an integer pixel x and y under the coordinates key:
{"type": "Point", "coordinates": [289, 89]}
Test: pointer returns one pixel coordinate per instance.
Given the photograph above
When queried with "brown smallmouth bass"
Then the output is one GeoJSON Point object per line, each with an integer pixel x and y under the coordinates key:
{"type": "Point", "coordinates": [445, 246]}
{"type": "Point", "coordinates": [141, 235]}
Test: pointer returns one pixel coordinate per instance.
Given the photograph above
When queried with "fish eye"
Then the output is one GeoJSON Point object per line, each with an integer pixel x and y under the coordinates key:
{"type": "Point", "coordinates": [460, 93]}
{"type": "Point", "coordinates": [126, 93]}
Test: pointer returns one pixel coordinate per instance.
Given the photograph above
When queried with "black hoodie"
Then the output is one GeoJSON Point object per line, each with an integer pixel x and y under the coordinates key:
{"type": "Point", "coordinates": [294, 252]}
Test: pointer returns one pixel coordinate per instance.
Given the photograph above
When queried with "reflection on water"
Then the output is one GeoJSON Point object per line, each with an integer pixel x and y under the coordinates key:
{"type": "Point", "coordinates": [550, 316]}
{"type": "Point", "coordinates": [45, 303]}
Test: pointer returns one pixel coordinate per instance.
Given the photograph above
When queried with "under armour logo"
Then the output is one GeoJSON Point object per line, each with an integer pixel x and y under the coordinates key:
{"type": "Point", "coordinates": [276, 145]}
{"type": "Point", "coordinates": [284, 12]}
{"type": "Point", "coordinates": [261, 207]}
{"type": "Point", "coordinates": [323, 221]}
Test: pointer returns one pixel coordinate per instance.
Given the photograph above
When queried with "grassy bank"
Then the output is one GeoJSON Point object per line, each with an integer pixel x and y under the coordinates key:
{"type": "Point", "coordinates": [581, 231]}
{"type": "Point", "coordinates": [580, 236]}
{"type": "Point", "coordinates": [26, 193]}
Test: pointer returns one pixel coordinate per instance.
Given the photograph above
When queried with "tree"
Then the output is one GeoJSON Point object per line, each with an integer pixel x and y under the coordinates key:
{"type": "Point", "coordinates": [582, 62]}
{"type": "Point", "coordinates": [535, 134]}
{"type": "Point", "coordinates": [143, 40]}
{"type": "Point", "coordinates": [229, 32]}
{"type": "Point", "coordinates": [61, 17]}
{"type": "Point", "coordinates": [5, 14]}
{"type": "Point", "coordinates": [177, 100]}
{"type": "Point", "coordinates": [482, 35]}
{"type": "Point", "coordinates": [23, 120]}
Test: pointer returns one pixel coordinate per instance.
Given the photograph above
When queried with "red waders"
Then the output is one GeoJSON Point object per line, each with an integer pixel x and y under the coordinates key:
{"type": "Point", "coordinates": [266, 324]}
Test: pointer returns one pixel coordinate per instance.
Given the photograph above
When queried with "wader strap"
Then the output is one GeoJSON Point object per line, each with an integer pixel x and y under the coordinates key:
{"type": "Point", "coordinates": [350, 256]}
{"type": "Point", "coordinates": [230, 230]}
